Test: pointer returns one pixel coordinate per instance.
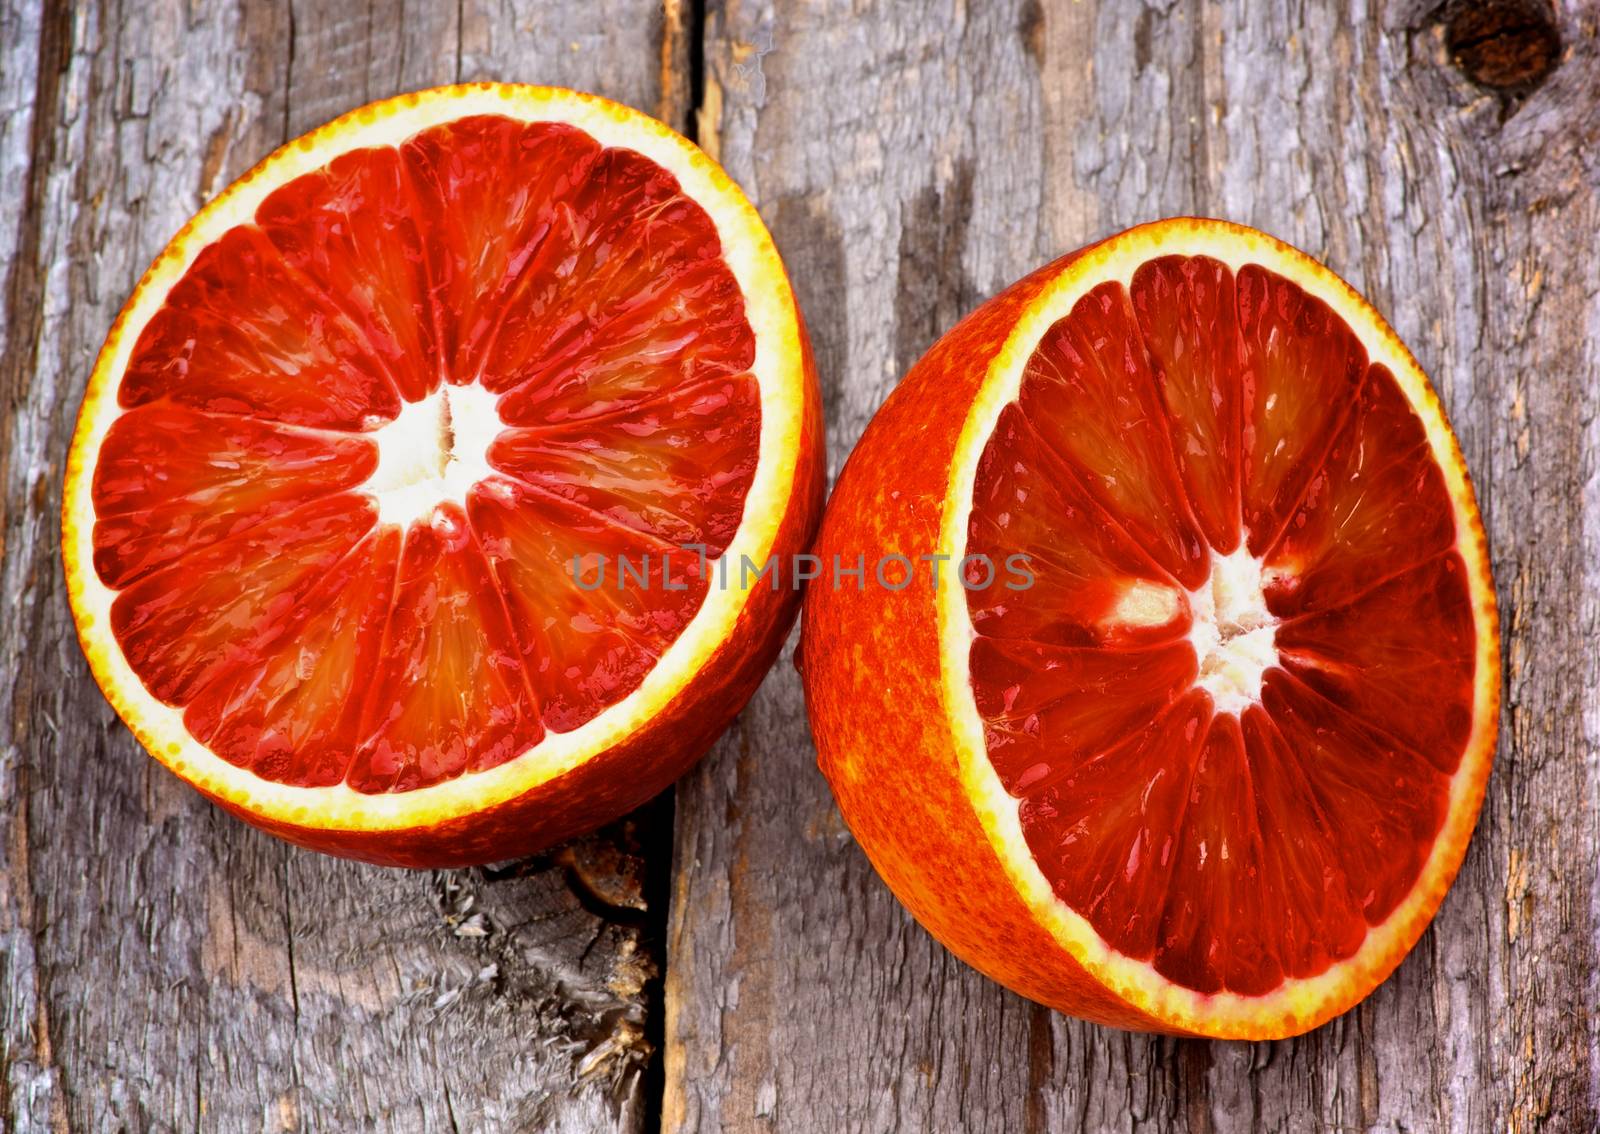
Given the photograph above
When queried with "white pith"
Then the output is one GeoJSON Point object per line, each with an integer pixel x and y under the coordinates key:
{"type": "Point", "coordinates": [1233, 634]}
{"type": "Point", "coordinates": [1143, 603]}
{"type": "Point", "coordinates": [433, 452]}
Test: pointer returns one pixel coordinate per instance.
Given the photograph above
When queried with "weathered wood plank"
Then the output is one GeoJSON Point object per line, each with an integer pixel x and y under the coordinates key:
{"type": "Point", "coordinates": [162, 966]}
{"type": "Point", "coordinates": [912, 159]}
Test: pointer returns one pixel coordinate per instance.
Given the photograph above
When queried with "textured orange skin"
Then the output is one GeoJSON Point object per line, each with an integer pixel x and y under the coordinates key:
{"type": "Point", "coordinates": [883, 731]}
{"type": "Point", "coordinates": [613, 782]}
{"type": "Point", "coordinates": [609, 782]}
{"type": "Point", "coordinates": [871, 671]}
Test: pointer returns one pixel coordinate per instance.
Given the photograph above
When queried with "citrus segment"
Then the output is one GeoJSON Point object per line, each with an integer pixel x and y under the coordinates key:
{"type": "Point", "coordinates": [1302, 367]}
{"type": "Point", "coordinates": [1378, 506]}
{"type": "Point", "coordinates": [448, 695]}
{"type": "Point", "coordinates": [1383, 802]}
{"type": "Point", "coordinates": [1399, 657]}
{"type": "Point", "coordinates": [359, 436]}
{"type": "Point", "coordinates": [1215, 931]}
{"type": "Point", "coordinates": [500, 198]}
{"type": "Point", "coordinates": [1318, 920]}
{"type": "Point", "coordinates": [243, 333]}
{"type": "Point", "coordinates": [595, 603]}
{"type": "Point", "coordinates": [1105, 827]}
{"type": "Point", "coordinates": [352, 231]}
{"type": "Point", "coordinates": [1189, 323]}
{"type": "Point", "coordinates": [1090, 583]}
{"type": "Point", "coordinates": [172, 480]}
{"type": "Point", "coordinates": [1048, 708]}
{"type": "Point", "coordinates": [293, 713]}
{"type": "Point", "coordinates": [676, 467]}
{"type": "Point", "coordinates": [1213, 768]}
{"type": "Point", "coordinates": [1090, 394]}
{"type": "Point", "coordinates": [228, 602]}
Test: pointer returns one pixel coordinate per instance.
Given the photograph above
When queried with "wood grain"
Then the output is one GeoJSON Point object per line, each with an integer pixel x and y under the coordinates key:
{"type": "Point", "coordinates": [911, 160]}
{"type": "Point", "coordinates": [162, 966]}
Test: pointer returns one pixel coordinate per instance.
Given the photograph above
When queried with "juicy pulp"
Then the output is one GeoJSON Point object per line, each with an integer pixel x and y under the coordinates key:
{"type": "Point", "coordinates": [1233, 787]}
{"type": "Point", "coordinates": [366, 437]}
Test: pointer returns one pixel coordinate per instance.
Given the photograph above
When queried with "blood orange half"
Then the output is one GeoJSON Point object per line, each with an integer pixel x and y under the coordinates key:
{"type": "Point", "coordinates": [1197, 743]}
{"type": "Point", "coordinates": [394, 506]}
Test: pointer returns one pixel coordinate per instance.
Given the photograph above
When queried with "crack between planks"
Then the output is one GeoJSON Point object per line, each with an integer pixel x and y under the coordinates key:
{"type": "Point", "coordinates": [661, 816]}
{"type": "Point", "coordinates": [681, 94]}
{"type": "Point", "coordinates": [288, 77]}
{"type": "Point", "coordinates": [683, 57]}
{"type": "Point", "coordinates": [288, 944]}
{"type": "Point", "coordinates": [24, 305]}
{"type": "Point", "coordinates": [696, 34]}
{"type": "Point", "coordinates": [461, 8]}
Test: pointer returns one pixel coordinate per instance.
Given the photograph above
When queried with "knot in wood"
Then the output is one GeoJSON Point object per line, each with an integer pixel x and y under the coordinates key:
{"type": "Point", "coordinates": [1506, 45]}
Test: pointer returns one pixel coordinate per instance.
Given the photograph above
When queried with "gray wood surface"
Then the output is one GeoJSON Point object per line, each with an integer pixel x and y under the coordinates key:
{"type": "Point", "coordinates": [913, 159]}
{"type": "Point", "coordinates": [163, 967]}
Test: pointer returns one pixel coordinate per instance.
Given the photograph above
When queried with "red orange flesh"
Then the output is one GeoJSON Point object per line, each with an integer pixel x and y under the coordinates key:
{"type": "Point", "coordinates": [365, 426]}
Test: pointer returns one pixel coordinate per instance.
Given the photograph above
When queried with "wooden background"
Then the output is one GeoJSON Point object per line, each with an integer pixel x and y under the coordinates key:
{"type": "Point", "coordinates": [726, 959]}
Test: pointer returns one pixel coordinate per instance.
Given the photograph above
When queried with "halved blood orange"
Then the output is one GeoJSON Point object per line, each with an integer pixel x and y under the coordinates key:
{"type": "Point", "coordinates": [390, 507]}
{"type": "Point", "coordinates": [1206, 758]}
